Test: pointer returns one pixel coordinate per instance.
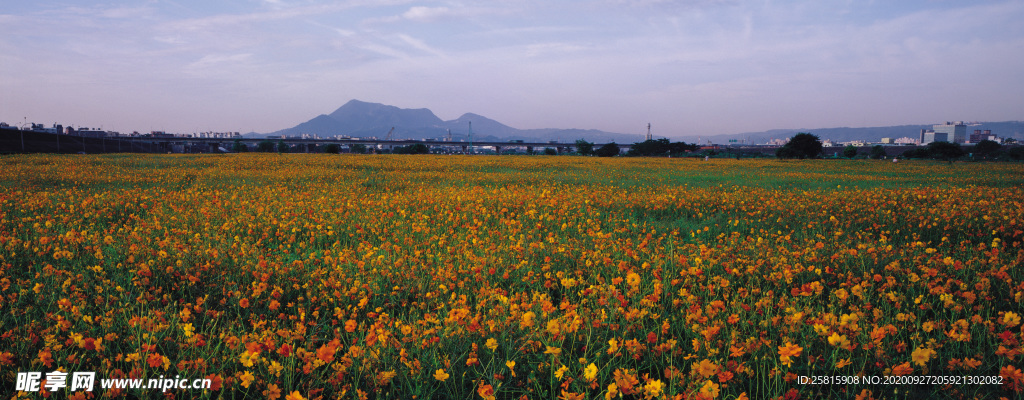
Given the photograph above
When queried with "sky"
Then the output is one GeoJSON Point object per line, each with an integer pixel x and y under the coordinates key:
{"type": "Point", "coordinates": [687, 67]}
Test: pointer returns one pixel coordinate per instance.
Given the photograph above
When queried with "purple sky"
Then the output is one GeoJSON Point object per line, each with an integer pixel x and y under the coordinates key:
{"type": "Point", "coordinates": [692, 67]}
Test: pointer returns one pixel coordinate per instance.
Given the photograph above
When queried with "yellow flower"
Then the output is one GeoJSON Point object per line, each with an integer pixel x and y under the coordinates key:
{"type": "Point", "coordinates": [554, 328]}
{"type": "Point", "coordinates": [921, 355]}
{"type": "Point", "coordinates": [275, 368]}
{"type": "Point", "coordinates": [441, 375]}
{"type": "Point", "coordinates": [613, 391]}
{"type": "Point", "coordinates": [613, 346]}
{"type": "Point", "coordinates": [590, 372]}
{"type": "Point", "coordinates": [247, 379]}
{"type": "Point", "coordinates": [633, 279]}
{"type": "Point", "coordinates": [1011, 319]}
{"type": "Point", "coordinates": [561, 372]}
{"type": "Point", "coordinates": [527, 320]}
{"type": "Point", "coordinates": [710, 389]}
{"type": "Point", "coordinates": [553, 350]}
{"type": "Point", "coordinates": [512, 367]}
{"type": "Point", "coordinates": [839, 340]}
{"type": "Point", "coordinates": [653, 389]}
{"type": "Point", "coordinates": [491, 344]}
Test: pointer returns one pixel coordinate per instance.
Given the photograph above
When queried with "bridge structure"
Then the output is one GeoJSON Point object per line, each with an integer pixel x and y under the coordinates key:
{"type": "Point", "coordinates": [20, 141]}
{"type": "Point", "coordinates": [450, 146]}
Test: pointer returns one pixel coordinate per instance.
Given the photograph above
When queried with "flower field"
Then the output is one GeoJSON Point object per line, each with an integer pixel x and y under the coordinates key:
{"type": "Point", "coordinates": [452, 277]}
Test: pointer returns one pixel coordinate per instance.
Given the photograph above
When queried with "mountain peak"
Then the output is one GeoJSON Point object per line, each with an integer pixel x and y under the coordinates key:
{"type": "Point", "coordinates": [364, 119]}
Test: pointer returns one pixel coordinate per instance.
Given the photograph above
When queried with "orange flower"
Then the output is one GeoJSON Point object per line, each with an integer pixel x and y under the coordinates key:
{"type": "Point", "coordinates": [244, 303]}
{"type": "Point", "coordinates": [902, 369]}
{"type": "Point", "coordinates": [706, 368]}
{"type": "Point", "coordinates": [294, 396]}
{"type": "Point", "coordinates": [326, 352]}
{"type": "Point", "coordinates": [154, 360]}
{"type": "Point", "coordinates": [788, 351]}
{"type": "Point", "coordinates": [46, 358]}
{"type": "Point", "coordinates": [273, 392]}
{"type": "Point", "coordinates": [1013, 378]}
{"type": "Point", "coordinates": [486, 392]}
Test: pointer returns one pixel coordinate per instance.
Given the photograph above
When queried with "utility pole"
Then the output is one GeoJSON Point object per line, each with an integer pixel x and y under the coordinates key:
{"type": "Point", "coordinates": [470, 137]}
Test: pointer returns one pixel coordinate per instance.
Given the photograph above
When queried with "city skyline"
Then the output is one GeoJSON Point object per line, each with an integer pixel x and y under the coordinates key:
{"type": "Point", "coordinates": [688, 68]}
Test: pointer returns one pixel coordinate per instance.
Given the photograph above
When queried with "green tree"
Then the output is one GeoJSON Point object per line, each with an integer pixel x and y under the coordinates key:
{"type": "Point", "coordinates": [282, 147]}
{"type": "Point", "coordinates": [801, 145]}
{"type": "Point", "coordinates": [584, 147]}
{"type": "Point", "coordinates": [878, 152]}
{"type": "Point", "coordinates": [608, 150]}
{"type": "Point", "coordinates": [945, 151]}
{"type": "Point", "coordinates": [786, 152]}
{"type": "Point", "coordinates": [850, 151]}
{"type": "Point", "coordinates": [358, 148]}
{"type": "Point", "coordinates": [418, 148]}
{"type": "Point", "coordinates": [265, 146]}
{"type": "Point", "coordinates": [332, 148]}
{"type": "Point", "coordinates": [987, 147]}
{"type": "Point", "coordinates": [550, 152]}
{"type": "Point", "coordinates": [239, 147]}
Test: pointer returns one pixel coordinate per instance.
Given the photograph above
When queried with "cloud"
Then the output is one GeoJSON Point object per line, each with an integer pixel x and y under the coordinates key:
{"type": "Point", "coordinates": [427, 14]}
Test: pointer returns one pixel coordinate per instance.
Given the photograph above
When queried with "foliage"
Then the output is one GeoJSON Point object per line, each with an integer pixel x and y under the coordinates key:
{"type": "Point", "coordinates": [309, 275]}
{"type": "Point", "coordinates": [358, 148]}
{"type": "Point", "coordinates": [584, 147]}
{"type": "Point", "coordinates": [802, 145]}
{"type": "Point", "coordinates": [945, 150]}
{"type": "Point", "coordinates": [878, 152]}
{"type": "Point", "coordinates": [608, 150]}
{"type": "Point", "coordinates": [661, 147]}
{"type": "Point", "coordinates": [550, 152]}
{"type": "Point", "coordinates": [417, 148]}
{"type": "Point", "coordinates": [1015, 153]}
{"type": "Point", "coordinates": [987, 147]}
{"type": "Point", "coordinates": [282, 147]}
{"type": "Point", "coordinates": [850, 151]}
{"type": "Point", "coordinates": [265, 146]}
{"type": "Point", "coordinates": [332, 148]}
{"type": "Point", "coordinates": [239, 147]}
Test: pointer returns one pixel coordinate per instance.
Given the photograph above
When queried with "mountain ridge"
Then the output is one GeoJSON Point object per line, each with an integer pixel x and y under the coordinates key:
{"type": "Point", "coordinates": [358, 118]}
{"type": "Point", "coordinates": [364, 119]}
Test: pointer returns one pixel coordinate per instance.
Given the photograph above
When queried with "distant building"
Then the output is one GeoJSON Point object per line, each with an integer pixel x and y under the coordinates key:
{"type": "Point", "coordinates": [953, 132]}
{"type": "Point", "coordinates": [980, 135]}
{"type": "Point", "coordinates": [887, 140]}
{"type": "Point", "coordinates": [956, 132]}
{"type": "Point", "coordinates": [905, 140]}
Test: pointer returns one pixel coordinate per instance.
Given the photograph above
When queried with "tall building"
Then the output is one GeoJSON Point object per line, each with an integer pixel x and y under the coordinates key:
{"type": "Point", "coordinates": [953, 132]}
{"type": "Point", "coordinates": [956, 132]}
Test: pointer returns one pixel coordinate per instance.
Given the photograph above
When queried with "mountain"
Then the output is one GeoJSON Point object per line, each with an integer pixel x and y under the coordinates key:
{"type": "Point", "coordinates": [361, 119]}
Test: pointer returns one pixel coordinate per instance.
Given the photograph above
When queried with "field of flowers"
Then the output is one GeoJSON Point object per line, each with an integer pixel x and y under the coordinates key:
{"type": "Point", "coordinates": [453, 277]}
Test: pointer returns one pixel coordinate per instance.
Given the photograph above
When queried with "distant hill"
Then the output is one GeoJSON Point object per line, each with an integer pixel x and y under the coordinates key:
{"type": "Point", "coordinates": [361, 119]}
